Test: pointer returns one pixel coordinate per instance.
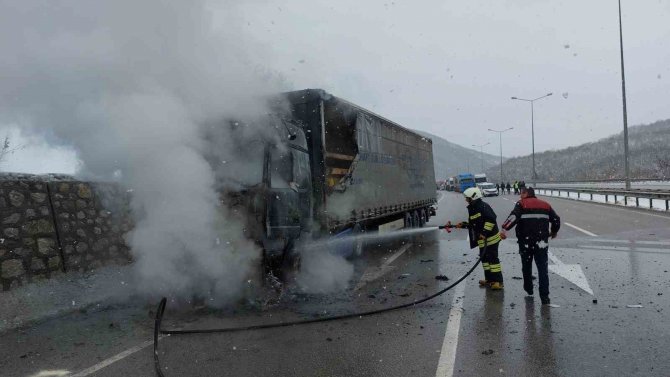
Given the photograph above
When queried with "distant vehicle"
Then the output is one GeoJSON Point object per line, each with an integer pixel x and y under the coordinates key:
{"type": "Point", "coordinates": [480, 178]}
{"type": "Point", "coordinates": [463, 181]}
{"type": "Point", "coordinates": [488, 189]}
{"type": "Point", "coordinates": [450, 183]}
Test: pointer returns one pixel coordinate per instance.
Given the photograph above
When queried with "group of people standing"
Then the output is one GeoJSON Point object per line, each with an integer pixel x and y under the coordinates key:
{"type": "Point", "coordinates": [535, 222]}
{"type": "Point", "coordinates": [516, 185]}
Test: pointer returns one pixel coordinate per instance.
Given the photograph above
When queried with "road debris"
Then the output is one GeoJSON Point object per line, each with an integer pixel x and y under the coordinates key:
{"type": "Point", "coordinates": [442, 277]}
{"type": "Point", "coordinates": [634, 306]}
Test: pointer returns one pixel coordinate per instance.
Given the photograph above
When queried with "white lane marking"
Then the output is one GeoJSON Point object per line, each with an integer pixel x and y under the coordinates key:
{"type": "Point", "coordinates": [622, 249]}
{"type": "Point", "coordinates": [374, 273]}
{"type": "Point", "coordinates": [447, 362]}
{"type": "Point", "coordinates": [571, 272]}
{"type": "Point", "coordinates": [505, 199]}
{"type": "Point", "coordinates": [581, 230]}
{"type": "Point", "coordinates": [113, 359]}
{"type": "Point", "coordinates": [605, 247]}
{"type": "Point", "coordinates": [633, 242]}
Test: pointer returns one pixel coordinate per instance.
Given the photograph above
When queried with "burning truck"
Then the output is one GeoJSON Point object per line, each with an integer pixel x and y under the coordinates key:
{"type": "Point", "coordinates": [331, 169]}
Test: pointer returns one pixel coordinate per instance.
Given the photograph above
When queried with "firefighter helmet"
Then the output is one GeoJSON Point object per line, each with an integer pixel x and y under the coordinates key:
{"type": "Point", "coordinates": [473, 193]}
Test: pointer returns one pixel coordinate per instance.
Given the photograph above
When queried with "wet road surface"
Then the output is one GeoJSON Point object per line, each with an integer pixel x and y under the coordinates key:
{"type": "Point", "coordinates": [621, 255]}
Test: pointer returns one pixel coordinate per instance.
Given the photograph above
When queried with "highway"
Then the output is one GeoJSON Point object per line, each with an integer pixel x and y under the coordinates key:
{"type": "Point", "coordinates": [617, 256]}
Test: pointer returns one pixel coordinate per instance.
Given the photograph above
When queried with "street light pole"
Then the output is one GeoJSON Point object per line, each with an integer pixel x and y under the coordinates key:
{"type": "Point", "coordinates": [481, 150]}
{"type": "Point", "coordinates": [532, 125]}
{"type": "Point", "coordinates": [500, 132]}
{"type": "Point", "coordinates": [625, 114]}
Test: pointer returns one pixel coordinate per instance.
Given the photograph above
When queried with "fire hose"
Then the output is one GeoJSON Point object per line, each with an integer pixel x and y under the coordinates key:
{"type": "Point", "coordinates": [161, 311]}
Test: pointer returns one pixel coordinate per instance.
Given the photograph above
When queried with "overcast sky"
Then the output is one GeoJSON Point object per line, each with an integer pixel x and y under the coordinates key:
{"type": "Point", "coordinates": [450, 67]}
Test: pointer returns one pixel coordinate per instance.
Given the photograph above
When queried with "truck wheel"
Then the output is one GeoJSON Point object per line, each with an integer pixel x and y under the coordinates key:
{"type": "Point", "coordinates": [408, 220]}
{"type": "Point", "coordinates": [422, 218]}
{"type": "Point", "coordinates": [415, 219]}
{"type": "Point", "coordinates": [358, 242]}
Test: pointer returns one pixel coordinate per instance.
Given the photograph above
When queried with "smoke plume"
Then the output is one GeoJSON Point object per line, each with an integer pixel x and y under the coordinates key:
{"type": "Point", "coordinates": [129, 86]}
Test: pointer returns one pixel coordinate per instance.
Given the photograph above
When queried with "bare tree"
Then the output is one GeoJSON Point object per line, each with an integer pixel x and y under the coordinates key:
{"type": "Point", "coordinates": [7, 148]}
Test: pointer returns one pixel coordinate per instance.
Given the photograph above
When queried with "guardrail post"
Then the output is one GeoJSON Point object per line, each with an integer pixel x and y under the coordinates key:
{"type": "Point", "coordinates": [591, 196]}
{"type": "Point", "coordinates": [651, 203]}
{"type": "Point", "coordinates": [667, 205]}
{"type": "Point", "coordinates": [637, 201]}
{"type": "Point", "coordinates": [607, 198]}
{"type": "Point", "coordinates": [578, 195]}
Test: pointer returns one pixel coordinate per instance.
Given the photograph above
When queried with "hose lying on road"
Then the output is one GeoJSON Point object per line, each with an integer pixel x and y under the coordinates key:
{"type": "Point", "coordinates": [161, 310]}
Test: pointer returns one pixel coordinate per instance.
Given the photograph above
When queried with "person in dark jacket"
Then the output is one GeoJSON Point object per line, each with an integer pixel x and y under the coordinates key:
{"type": "Point", "coordinates": [535, 222]}
{"type": "Point", "coordinates": [498, 188]}
{"type": "Point", "coordinates": [485, 235]}
{"type": "Point", "coordinates": [509, 188]}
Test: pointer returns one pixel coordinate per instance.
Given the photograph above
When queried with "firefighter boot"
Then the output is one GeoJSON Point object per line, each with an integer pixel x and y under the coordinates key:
{"type": "Point", "coordinates": [496, 286]}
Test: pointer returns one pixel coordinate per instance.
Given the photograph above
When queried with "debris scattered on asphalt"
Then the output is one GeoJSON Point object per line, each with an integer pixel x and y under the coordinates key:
{"type": "Point", "coordinates": [517, 278]}
{"type": "Point", "coordinates": [554, 306]}
{"type": "Point", "coordinates": [329, 339]}
{"type": "Point", "coordinates": [426, 260]}
{"type": "Point", "coordinates": [487, 352]}
{"type": "Point", "coordinates": [534, 277]}
{"type": "Point", "coordinates": [442, 277]}
{"type": "Point", "coordinates": [634, 306]}
{"type": "Point", "coordinates": [660, 294]}
{"type": "Point", "coordinates": [372, 296]}
{"type": "Point", "coordinates": [512, 304]}
{"type": "Point", "coordinates": [404, 294]}
{"type": "Point", "coordinates": [595, 301]}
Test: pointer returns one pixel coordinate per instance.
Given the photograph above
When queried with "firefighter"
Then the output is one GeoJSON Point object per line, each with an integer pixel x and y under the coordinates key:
{"type": "Point", "coordinates": [498, 188]}
{"type": "Point", "coordinates": [535, 222]}
{"type": "Point", "coordinates": [483, 233]}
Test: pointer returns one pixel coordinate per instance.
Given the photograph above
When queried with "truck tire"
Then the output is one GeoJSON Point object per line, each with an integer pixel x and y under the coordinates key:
{"type": "Point", "coordinates": [408, 220]}
{"type": "Point", "coordinates": [358, 242]}
{"type": "Point", "coordinates": [423, 219]}
{"type": "Point", "coordinates": [416, 219]}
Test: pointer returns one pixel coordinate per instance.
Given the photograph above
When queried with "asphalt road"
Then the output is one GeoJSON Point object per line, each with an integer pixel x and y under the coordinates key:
{"type": "Point", "coordinates": [621, 255]}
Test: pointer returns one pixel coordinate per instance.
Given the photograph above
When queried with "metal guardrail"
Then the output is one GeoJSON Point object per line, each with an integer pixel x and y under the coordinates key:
{"type": "Point", "coordinates": [636, 184]}
{"type": "Point", "coordinates": [649, 199]}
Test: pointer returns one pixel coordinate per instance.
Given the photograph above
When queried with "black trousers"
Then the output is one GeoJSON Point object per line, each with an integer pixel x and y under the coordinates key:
{"type": "Point", "coordinates": [491, 264]}
{"type": "Point", "coordinates": [541, 262]}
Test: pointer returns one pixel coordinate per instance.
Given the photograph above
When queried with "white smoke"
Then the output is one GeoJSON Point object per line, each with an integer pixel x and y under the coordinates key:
{"type": "Point", "coordinates": [128, 85]}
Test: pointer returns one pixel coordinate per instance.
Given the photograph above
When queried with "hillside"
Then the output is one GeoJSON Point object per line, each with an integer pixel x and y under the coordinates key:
{"type": "Point", "coordinates": [451, 159]}
{"type": "Point", "coordinates": [649, 147]}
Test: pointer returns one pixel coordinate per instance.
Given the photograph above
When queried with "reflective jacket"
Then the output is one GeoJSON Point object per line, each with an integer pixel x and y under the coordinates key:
{"type": "Point", "coordinates": [533, 218]}
{"type": "Point", "coordinates": [482, 221]}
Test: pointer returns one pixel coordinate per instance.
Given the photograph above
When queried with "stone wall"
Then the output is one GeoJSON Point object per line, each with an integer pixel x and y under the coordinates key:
{"type": "Point", "coordinates": [91, 220]}
{"type": "Point", "coordinates": [49, 227]}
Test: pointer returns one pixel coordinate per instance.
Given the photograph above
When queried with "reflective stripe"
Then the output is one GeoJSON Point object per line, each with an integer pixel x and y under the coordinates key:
{"type": "Point", "coordinates": [534, 216]}
{"type": "Point", "coordinates": [496, 268]}
{"type": "Point", "coordinates": [489, 226]}
{"type": "Point", "coordinates": [491, 240]}
{"type": "Point", "coordinates": [475, 216]}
